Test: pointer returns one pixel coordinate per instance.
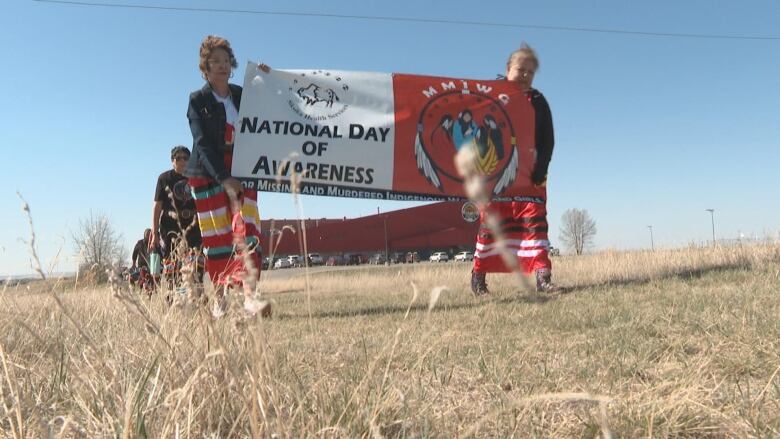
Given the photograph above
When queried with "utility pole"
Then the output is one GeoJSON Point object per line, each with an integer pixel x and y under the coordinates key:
{"type": "Point", "coordinates": [652, 244]}
{"type": "Point", "coordinates": [387, 247]}
{"type": "Point", "coordinates": [712, 217]}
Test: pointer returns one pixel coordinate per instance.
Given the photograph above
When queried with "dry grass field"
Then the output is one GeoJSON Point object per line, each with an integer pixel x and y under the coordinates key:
{"type": "Point", "coordinates": [673, 343]}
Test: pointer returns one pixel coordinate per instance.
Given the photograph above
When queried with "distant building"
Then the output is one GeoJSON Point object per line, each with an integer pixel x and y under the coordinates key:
{"type": "Point", "coordinates": [425, 229]}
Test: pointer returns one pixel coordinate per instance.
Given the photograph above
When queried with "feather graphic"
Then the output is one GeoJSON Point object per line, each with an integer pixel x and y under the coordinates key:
{"type": "Point", "coordinates": [424, 163]}
{"type": "Point", "coordinates": [509, 174]}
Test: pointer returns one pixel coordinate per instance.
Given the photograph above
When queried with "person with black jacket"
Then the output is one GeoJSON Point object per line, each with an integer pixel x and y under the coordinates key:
{"type": "Point", "coordinates": [524, 223]}
{"type": "Point", "coordinates": [140, 257]}
{"type": "Point", "coordinates": [225, 209]}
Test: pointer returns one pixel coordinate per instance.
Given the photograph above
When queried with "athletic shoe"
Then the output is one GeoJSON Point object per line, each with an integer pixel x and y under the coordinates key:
{"type": "Point", "coordinates": [544, 282]}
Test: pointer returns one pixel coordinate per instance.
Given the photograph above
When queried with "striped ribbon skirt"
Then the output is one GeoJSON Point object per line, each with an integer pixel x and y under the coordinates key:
{"type": "Point", "coordinates": [219, 226]}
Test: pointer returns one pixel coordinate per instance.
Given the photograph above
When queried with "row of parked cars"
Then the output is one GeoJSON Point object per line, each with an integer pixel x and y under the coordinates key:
{"type": "Point", "coordinates": [459, 257]}
{"type": "Point", "coordinates": [394, 258]}
{"type": "Point", "coordinates": [292, 261]}
{"type": "Point", "coordinates": [314, 259]}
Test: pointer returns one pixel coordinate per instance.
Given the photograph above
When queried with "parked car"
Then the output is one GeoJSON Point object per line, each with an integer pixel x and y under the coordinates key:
{"type": "Point", "coordinates": [554, 251]}
{"type": "Point", "coordinates": [377, 259]}
{"type": "Point", "coordinates": [397, 258]}
{"type": "Point", "coordinates": [353, 259]}
{"type": "Point", "coordinates": [266, 263]}
{"type": "Point", "coordinates": [315, 259]}
{"type": "Point", "coordinates": [439, 257]}
{"type": "Point", "coordinates": [334, 260]}
{"type": "Point", "coordinates": [282, 263]}
{"type": "Point", "coordinates": [464, 256]}
{"type": "Point", "coordinates": [412, 257]}
{"type": "Point", "coordinates": [295, 261]}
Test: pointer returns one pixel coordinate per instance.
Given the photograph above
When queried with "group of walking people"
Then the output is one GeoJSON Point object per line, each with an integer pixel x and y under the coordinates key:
{"type": "Point", "coordinates": [200, 205]}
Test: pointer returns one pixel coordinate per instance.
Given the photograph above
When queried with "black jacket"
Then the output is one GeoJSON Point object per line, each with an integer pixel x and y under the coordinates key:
{"type": "Point", "coordinates": [141, 254]}
{"type": "Point", "coordinates": [207, 123]}
{"type": "Point", "coordinates": [545, 139]}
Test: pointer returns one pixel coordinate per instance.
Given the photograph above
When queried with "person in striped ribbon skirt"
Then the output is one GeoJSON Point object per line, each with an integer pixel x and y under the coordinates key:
{"type": "Point", "coordinates": [227, 213]}
{"type": "Point", "coordinates": [523, 223]}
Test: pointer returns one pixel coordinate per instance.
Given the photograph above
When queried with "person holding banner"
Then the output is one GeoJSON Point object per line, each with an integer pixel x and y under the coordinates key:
{"type": "Point", "coordinates": [524, 224]}
{"type": "Point", "coordinates": [227, 213]}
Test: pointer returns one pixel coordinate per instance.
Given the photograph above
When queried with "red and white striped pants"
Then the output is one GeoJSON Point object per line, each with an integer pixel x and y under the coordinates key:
{"type": "Point", "coordinates": [524, 225]}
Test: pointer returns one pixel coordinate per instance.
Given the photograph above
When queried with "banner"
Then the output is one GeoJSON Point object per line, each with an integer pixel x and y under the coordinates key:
{"type": "Point", "coordinates": [380, 135]}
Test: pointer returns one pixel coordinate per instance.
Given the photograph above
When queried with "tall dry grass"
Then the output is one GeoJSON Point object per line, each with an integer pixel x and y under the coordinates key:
{"type": "Point", "coordinates": [645, 344]}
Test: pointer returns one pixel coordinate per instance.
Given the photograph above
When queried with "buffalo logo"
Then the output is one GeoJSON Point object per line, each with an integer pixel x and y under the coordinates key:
{"type": "Point", "coordinates": [318, 95]}
{"type": "Point", "coordinates": [466, 119]}
{"type": "Point", "coordinates": [313, 94]}
{"type": "Point", "coordinates": [470, 212]}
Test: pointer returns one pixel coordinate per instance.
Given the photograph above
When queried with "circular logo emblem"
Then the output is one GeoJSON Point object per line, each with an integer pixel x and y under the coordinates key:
{"type": "Point", "coordinates": [318, 95]}
{"type": "Point", "coordinates": [186, 214]}
{"type": "Point", "coordinates": [181, 191]}
{"type": "Point", "coordinates": [470, 212]}
{"type": "Point", "coordinates": [461, 119]}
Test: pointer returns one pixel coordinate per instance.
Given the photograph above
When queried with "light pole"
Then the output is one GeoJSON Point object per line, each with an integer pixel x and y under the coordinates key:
{"type": "Point", "coordinates": [652, 244]}
{"type": "Point", "coordinates": [712, 217]}
{"type": "Point", "coordinates": [387, 247]}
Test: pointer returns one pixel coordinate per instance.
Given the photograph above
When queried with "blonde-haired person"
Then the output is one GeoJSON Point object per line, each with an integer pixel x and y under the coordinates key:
{"type": "Point", "coordinates": [213, 118]}
{"type": "Point", "coordinates": [524, 223]}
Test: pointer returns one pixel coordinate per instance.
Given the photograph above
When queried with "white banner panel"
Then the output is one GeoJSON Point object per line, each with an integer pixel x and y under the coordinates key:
{"type": "Point", "coordinates": [331, 132]}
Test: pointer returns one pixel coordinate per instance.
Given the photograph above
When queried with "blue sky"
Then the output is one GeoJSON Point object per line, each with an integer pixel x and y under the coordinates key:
{"type": "Point", "coordinates": [649, 130]}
